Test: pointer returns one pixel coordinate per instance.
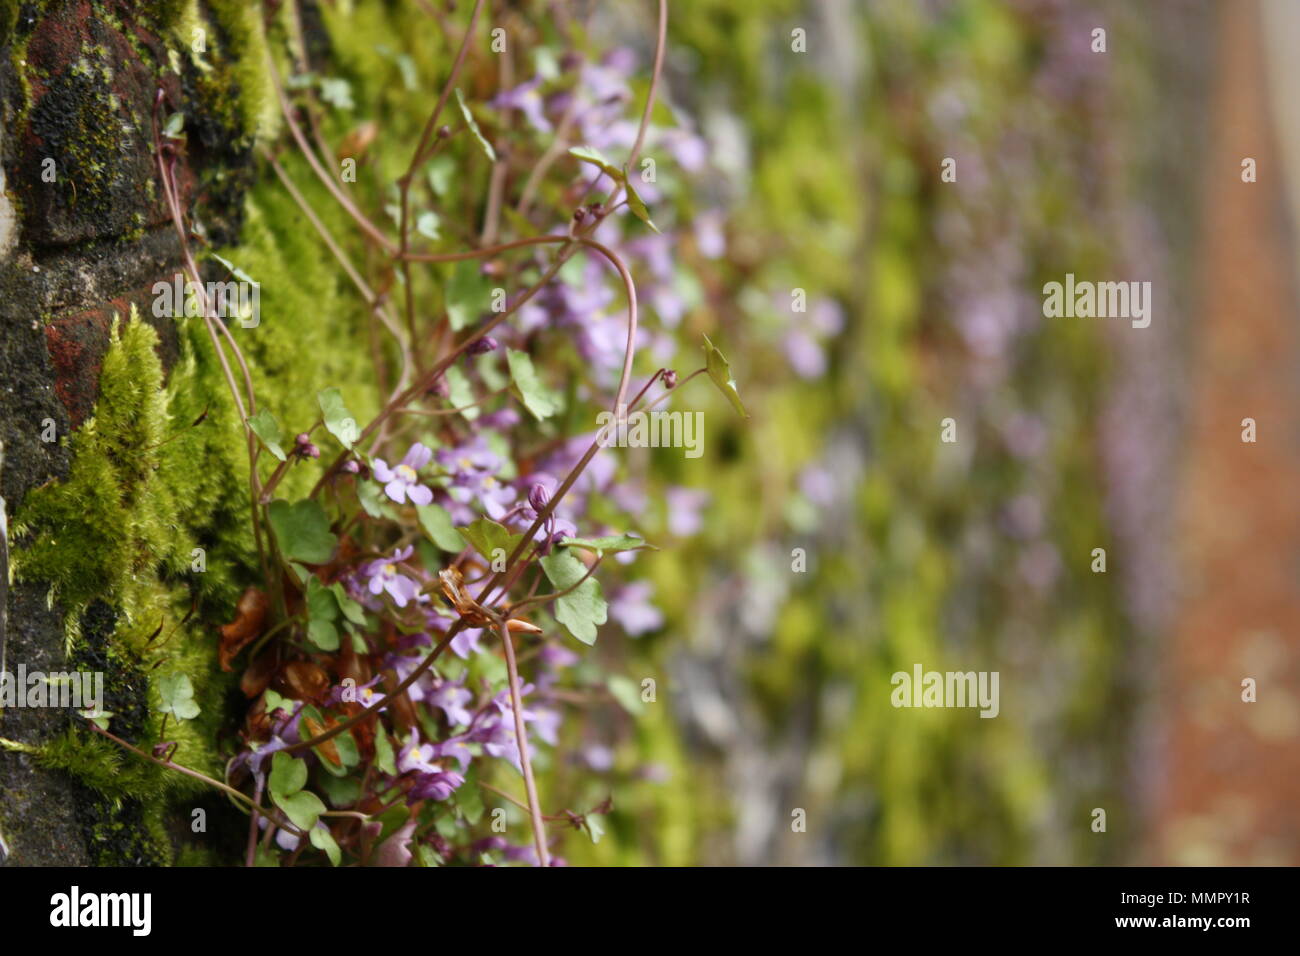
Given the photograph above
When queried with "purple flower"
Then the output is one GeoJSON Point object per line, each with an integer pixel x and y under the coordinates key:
{"type": "Point", "coordinates": [630, 606]}
{"type": "Point", "coordinates": [710, 238]}
{"type": "Point", "coordinates": [384, 576]}
{"type": "Point", "coordinates": [416, 757]}
{"type": "Point", "coordinates": [598, 757]}
{"type": "Point", "coordinates": [401, 481]}
{"type": "Point", "coordinates": [526, 98]}
{"type": "Point", "coordinates": [684, 506]}
{"type": "Point", "coordinates": [436, 786]}
{"type": "Point", "coordinates": [451, 698]}
{"type": "Point", "coordinates": [473, 481]}
{"type": "Point", "coordinates": [431, 781]}
{"type": "Point", "coordinates": [466, 642]}
{"type": "Point", "coordinates": [496, 731]}
{"type": "Point", "coordinates": [453, 748]}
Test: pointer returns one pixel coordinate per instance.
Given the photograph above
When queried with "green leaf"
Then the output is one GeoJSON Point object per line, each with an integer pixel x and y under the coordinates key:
{"type": "Point", "coordinates": [337, 93]}
{"type": "Point", "coordinates": [580, 610]}
{"type": "Point", "coordinates": [486, 537]}
{"type": "Point", "coordinates": [610, 542]}
{"type": "Point", "coordinates": [537, 398]}
{"type": "Point", "coordinates": [99, 718]}
{"type": "Point", "coordinates": [320, 601]}
{"type": "Point", "coordinates": [345, 745]}
{"type": "Point", "coordinates": [323, 634]}
{"type": "Point", "coordinates": [373, 502]}
{"type": "Point", "coordinates": [427, 855]}
{"type": "Point", "coordinates": [473, 127]}
{"type": "Point", "coordinates": [288, 774]}
{"type": "Point", "coordinates": [266, 857]}
{"type": "Point", "coordinates": [440, 171]}
{"type": "Point", "coordinates": [467, 295]}
{"type": "Point", "coordinates": [460, 393]}
{"type": "Point", "coordinates": [174, 128]}
{"type": "Point", "coordinates": [341, 791]}
{"type": "Point", "coordinates": [636, 203]}
{"type": "Point", "coordinates": [350, 608]}
{"type": "Point", "coordinates": [426, 224]}
{"type": "Point", "coordinates": [720, 371]}
{"type": "Point", "coordinates": [437, 525]}
{"type": "Point", "coordinates": [267, 429]}
{"type": "Point", "coordinates": [302, 530]}
{"type": "Point", "coordinates": [322, 839]}
{"type": "Point", "coordinates": [469, 800]}
{"type": "Point", "coordinates": [595, 828]}
{"type": "Point", "coordinates": [322, 612]}
{"type": "Point", "coordinates": [338, 420]}
{"type": "Point", "coordinates": [385, 759]}
{"type": "Point", "coordinates": [303, 808]}
{"type": "Point", "coordinates": [589, 154]}
{"type": "Point", "coordinates": [177, 695]}
{"type": "Point", "coordinates": [626, 692]}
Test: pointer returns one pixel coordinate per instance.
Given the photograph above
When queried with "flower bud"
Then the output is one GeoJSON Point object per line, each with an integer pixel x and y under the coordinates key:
{"type": "Point", "coordinates": [482, 346]}
{"type": "Point", "coordinates": [670, 378]}
{"type": "Point", "coordinates": [538, 497]}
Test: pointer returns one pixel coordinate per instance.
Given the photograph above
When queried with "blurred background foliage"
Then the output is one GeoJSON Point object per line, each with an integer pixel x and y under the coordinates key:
{"type": "Point", "coordinates": [922, 304]}
{"type": "Point", "coordinates": [970, 556]}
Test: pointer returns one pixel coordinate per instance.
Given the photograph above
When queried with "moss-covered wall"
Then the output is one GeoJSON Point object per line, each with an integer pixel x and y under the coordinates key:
{"type": "Point", "coordinates": [149, 463]}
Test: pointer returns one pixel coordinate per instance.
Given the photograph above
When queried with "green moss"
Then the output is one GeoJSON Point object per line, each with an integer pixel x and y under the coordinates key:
{"type": "Point", "coordinates": [8, 17]}
{"type": "Point", "coordinates": [238, 86]}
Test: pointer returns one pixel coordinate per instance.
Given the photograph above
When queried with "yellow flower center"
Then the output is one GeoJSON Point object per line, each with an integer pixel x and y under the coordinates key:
{"type": "Point", "coordinates": [406, 472]}
{"type": "Point", "coordinates": [390, 570]}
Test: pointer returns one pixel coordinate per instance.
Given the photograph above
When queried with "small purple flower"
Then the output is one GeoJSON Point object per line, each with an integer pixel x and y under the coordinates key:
{"type": "Point", "coordinates": [436, 786]}
{"type": "Point", "coordinates": [684, 506]}
{"type": "Point", "coordinates": [526, 98]}
{"type": "Point", "coordinates": [473, 467]}
{"type": "Point", "coordinates": [453, 748]}
{"type": "Point", "coordinates": [383, 576]}
{"type": "Point", "coordinates": [401, 481]}
{"type": "Point", "coordinates": [465, 644]}
{"type": "Point", "coordinates": [630, 606]}
{"type": "Point", "coordinates": [481, 346]}
{"type": "Point", "coordinates": [416, 757]}
{"type": "Point", "coordinates": [303, 447]}
{"type": "Point", "coordinates": [451, 698]}
{"type": "Point", "coordinates": [710, 238]}
{"type": "Point", "coordinates": [431, 781]}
